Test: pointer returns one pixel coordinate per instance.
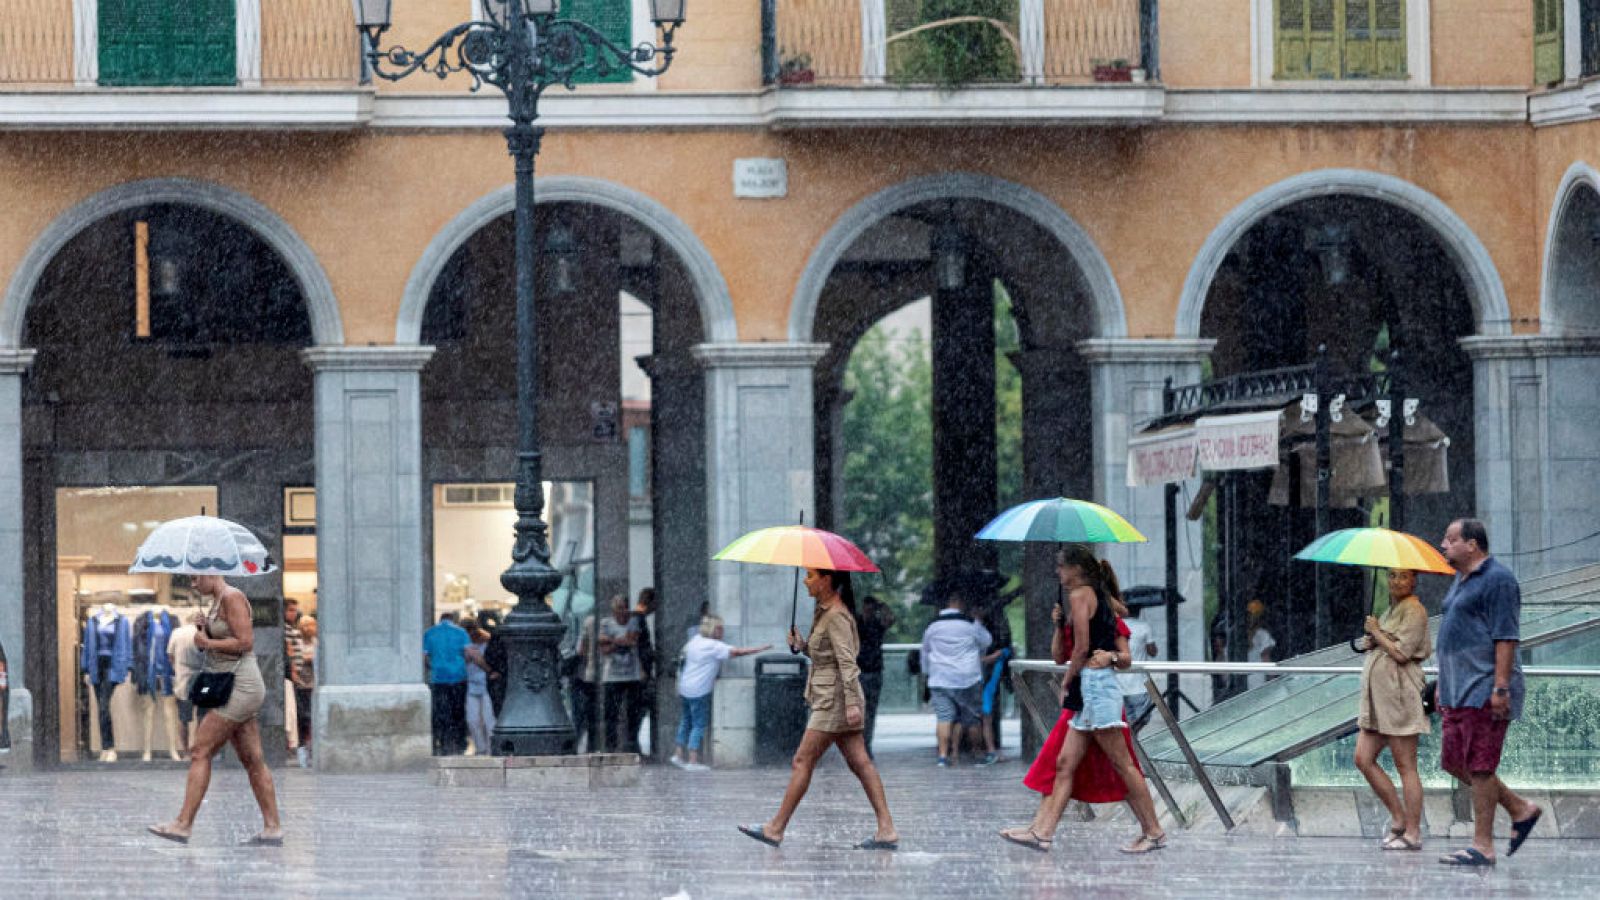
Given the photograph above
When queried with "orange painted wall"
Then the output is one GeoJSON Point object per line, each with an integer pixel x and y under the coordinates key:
{"type": "Point", "coordinates": [722, 49]}
{"type": "Point", "coordinates": [369, 204]}
{"type": "Point", "coordinates": [1558, 148]}
{"type": "Point", "coordinates": [1478, 43]}
{"type": "Point", "coordinates": [1206, 43]}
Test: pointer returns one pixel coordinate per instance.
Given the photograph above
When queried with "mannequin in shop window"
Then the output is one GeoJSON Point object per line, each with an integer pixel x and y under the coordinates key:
{"type": "Point", "coordinates": [107, 658]}
{"type": "Point", "coordinates": [153, 676]}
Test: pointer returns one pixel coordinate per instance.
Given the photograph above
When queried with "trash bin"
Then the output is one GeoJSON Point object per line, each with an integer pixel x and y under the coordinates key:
{"type": "Point", "coordinates": [781, 711]}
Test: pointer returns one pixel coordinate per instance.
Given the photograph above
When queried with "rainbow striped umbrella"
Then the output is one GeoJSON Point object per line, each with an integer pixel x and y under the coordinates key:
{"type": "Point", "coordinates": [1062, 521]}
{"type": "Point", "coordinates": [1376, 547]}
{"type": "Point", "coordinates": [797, 545]}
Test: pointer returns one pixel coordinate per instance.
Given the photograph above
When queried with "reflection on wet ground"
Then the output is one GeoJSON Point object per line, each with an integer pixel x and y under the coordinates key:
{"type": "Point", "coordinates": [80, 834]}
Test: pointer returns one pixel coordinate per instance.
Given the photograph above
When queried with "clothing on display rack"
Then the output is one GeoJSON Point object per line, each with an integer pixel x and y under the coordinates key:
{"type": "Point", "coordinates": [107, 634]}
{"type": "Point", "coordinates": [153, 676]}
{"type": "Point", "coordinates": [152, 668]}
{"type": "Point", "coordinates": [106, 659]}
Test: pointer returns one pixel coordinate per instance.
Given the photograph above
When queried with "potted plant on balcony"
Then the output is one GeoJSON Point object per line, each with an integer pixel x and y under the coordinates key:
{"type": "Point", "coordinates": [1111, 70]}
{"type": "Point", "coordinates": [796, 69]}
{"type": "Point", "coordinates": [954, 43]}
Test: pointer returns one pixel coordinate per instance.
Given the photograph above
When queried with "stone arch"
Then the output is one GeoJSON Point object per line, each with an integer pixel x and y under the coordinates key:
{"type": "Point", "coordinates": [326, 325]}
{"type": "Point", "coordinates": [1578, 195]}
{"type": "Point", "coordinates": [711, 290]}
{"type": "Point", "coordinates": [1484, 288]}
{"type": "Point", "coordinates": [1110, 317]}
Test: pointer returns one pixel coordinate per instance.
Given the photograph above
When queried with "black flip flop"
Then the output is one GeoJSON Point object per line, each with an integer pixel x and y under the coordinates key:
{"type": "Point", "coordinates": [1521, 830]}
{"type": "Point", "coordinates": [262, 841]}
{"type": "Point", "coordinates": [755, 832]}
{"type": "Point", "coordinates": [875, 844]}
{"type": "Point", "coordinates": [1469, 858]}
{"type": "Point", "coordinates": [165, 835]}
{"type": "Point", "coordinates": [1032, 841]}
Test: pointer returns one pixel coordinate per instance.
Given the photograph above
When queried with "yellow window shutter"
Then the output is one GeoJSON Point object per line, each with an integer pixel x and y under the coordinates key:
{"type": "Point", "coordinates": [1307, 39]}
{"type": "Point", "coordinates": [1548, 46]}
{"type": "Point", "coordinates": [1375, 39]}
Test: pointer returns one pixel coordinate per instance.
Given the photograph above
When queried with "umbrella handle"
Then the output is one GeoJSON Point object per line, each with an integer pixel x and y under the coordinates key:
{"type": "Point", "coordinates": [794, 607]}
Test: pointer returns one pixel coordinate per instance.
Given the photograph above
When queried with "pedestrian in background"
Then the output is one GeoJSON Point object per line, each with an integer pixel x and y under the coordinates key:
{"type": "Point", "coordinates": [1391, 707]}
{"type": "Point", "coordinates": [872, 624]}
{"type": "Point", "coordinates": [1142, 648]}
{"type": "Point", "coordinates": [186, 663]}
{"type": "Point", "coordinates": [619, 651]}
{"type": "Point", "coordinates": [952, 646]}
{"type": "Point", "coordinates": [1480, 686]}
{"type": "Point", "coordinates": [480, 708]}
{"type": "Point", "coordinates": [703, 657]}
{"type": "Point", "coordinates": [443, 648]}
{"type": "Point", "coordinates": [833, 691]}
{"type": "Point", "coordinates": [303, 674]}
{"type": "Point", "coordinates": [645, 703]}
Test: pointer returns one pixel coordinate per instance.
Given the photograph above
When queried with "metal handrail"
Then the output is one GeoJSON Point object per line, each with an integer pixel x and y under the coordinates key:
{"type": "Point", "coordinates": [1237, 668]}
{"type": "Point", "coordinates": [1150, 669]}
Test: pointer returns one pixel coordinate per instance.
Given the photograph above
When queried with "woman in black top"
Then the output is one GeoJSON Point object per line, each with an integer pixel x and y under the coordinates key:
{"type": "Point", "coordinates": [1098, 648]}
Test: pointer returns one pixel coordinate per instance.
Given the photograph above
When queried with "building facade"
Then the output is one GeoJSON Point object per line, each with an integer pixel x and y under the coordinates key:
{"type": "Point", "coordinates": [231, 263]}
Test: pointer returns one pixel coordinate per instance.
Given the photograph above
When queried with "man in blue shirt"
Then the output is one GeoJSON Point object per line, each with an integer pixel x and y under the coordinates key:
{"type": "Point", "coordinates": [444, 647]}
{"type": "Point", "coordinates": [1480, 685]}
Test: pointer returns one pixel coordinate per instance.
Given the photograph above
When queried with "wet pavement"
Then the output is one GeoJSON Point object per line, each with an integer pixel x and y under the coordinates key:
{"type": "Point", "coordinates": [80, 834]}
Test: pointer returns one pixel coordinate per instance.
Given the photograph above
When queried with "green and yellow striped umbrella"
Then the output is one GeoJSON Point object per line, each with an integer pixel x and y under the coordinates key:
{"type": "Point", "coordinates": [1376, 547]}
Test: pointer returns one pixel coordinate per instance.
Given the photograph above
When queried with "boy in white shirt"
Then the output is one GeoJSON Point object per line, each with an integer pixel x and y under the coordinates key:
{"type": "Point", "coordinates": [702, 660]}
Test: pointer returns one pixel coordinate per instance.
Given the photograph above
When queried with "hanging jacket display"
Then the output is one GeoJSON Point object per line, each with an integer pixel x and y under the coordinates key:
{"type": "Point", "coordinates": [152, 668]}
{"type": "Point", "coordinates": [112, 639]}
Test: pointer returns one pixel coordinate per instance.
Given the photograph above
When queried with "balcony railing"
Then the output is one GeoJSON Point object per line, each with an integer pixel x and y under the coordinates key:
{"type": "Point", "coordinates": [280, 43]}
{"type": "Point", "coordinates": [956, 42]}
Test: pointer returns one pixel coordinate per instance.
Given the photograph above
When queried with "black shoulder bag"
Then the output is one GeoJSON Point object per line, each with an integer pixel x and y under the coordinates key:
{"type": "Point", "coordinates": [212, 689]}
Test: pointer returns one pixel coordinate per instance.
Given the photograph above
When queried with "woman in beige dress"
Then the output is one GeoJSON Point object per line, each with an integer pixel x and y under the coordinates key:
{"type": "Point", "coordinates": [833, 692]}
{"type": "Point", "coordinates": [1391, 707]}
{"type": "Point", "coordinates": [228, 641]}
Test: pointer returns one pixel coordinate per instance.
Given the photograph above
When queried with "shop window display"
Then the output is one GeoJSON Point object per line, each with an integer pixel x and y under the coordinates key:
{"type": "Point", "coordinates": [473, 532]}
{"type": "Point", "coordinates": [116, 627]}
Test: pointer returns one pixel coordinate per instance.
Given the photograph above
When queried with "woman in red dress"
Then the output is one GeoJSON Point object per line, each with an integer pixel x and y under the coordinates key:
{"type": "Point", "coordinates": [1096, 778]}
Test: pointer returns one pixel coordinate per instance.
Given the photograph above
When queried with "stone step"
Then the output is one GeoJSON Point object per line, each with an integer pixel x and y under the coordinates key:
{"type": "Point", "coordinates": [579, 770]}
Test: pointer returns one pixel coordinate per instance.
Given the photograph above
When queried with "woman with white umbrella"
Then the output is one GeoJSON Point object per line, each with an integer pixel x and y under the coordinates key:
{"type": "Point", "coordinates": [230, 686]}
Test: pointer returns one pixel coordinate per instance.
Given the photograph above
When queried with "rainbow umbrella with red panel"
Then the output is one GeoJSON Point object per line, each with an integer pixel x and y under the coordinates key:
{"type": "Point", "coordinates": [1378, 548]}
{"type": "Point", "coordinates": [800, 547]}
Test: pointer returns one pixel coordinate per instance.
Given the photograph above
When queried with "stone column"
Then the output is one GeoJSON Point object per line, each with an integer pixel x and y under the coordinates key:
{"type": "Point", "coordinates": [372, 707]}
{"type": "Point", "coordinates": [1056, 439]}
{"type": "Point", "coordinates": [964, 490]}
{"type": "Point", "coordinates": [1537, 455]}
{"type": "Point", "coordinates": [1126, 378]}
{"type": "Point", "coordinates": [759, 472]}
{"type": "Point", "coordinates": [13, 366]}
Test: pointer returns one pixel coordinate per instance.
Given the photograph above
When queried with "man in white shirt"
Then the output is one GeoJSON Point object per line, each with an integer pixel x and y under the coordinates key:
{"type": "Point", "coordinates": [952, 651]}
{"type": "Point", "coordinates": [1141, 648]}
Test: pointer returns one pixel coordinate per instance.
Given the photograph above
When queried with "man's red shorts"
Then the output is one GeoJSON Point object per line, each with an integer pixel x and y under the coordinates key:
{"type": "Point", "coordinates": [1472, 740]}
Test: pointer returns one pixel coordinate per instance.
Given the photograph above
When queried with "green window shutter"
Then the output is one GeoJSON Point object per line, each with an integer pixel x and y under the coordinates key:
{"type": "Point", "coordinates": [167, 42]}
{"type": "Point", "coordinates": [612, 18]}
{"type": "Point", "coordinates": [1375, 39]}
{"type": "Point", "coordinates": [1548, 47]}
{"type": "Point", "coordinates": [1307, 43]}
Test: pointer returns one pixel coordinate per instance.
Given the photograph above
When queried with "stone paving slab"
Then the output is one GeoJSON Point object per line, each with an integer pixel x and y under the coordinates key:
{"type": "Point", "coordinates": [80, 835]}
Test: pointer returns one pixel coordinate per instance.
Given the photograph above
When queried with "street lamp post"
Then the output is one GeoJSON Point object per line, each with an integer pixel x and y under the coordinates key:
{"type": "Point", "coordinates": [522, 48]}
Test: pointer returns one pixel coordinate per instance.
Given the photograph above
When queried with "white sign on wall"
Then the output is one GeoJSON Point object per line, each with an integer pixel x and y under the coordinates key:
{"type": "Point", "coordinates": [760, 178]}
